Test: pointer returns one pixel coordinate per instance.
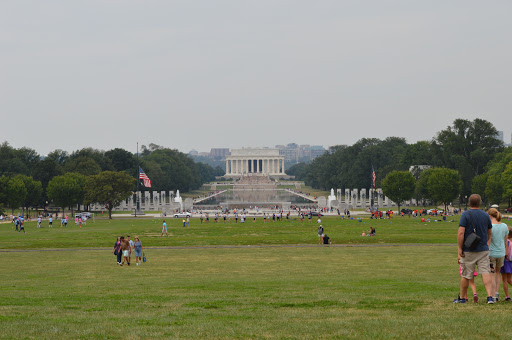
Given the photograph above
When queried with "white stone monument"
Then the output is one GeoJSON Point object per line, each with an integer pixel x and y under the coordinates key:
{"type": "Point", "coordinates": [330, 198]}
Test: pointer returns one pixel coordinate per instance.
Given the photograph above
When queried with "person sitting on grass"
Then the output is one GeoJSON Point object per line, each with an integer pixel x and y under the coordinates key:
{"type": "Point", "coordinates": [326, 239]}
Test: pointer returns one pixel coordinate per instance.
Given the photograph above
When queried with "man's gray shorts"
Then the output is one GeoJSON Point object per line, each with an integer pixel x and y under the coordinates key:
{"type": "Point", "coordinates": [472, 259]}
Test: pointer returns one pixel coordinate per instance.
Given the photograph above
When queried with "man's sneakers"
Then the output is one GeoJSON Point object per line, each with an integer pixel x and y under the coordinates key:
{"type": "Point", "coordinates": [507, 298]}
{"type": "Point", "coordinates": [490, 299]}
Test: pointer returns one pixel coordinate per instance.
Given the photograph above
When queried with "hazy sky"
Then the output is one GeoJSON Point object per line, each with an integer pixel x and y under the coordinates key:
{"type": "Point", "coordinates": [201, 74]}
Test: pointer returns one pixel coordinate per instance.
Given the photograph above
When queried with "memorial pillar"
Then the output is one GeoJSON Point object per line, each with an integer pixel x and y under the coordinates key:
{"type": "Point", "coordinates": [227, 172]}
{"type": "Point", "coordinates": [258, 166]}
{"type": "Point", "coordinates": [283, 167]}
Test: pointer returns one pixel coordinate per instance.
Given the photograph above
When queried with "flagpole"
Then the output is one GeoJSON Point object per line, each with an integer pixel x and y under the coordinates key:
{"type": "Point", "coordinates": [137, 206]}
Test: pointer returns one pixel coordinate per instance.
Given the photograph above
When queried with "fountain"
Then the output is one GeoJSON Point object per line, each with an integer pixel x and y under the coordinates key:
{"type": "Point", "coordinates": [178, 199]}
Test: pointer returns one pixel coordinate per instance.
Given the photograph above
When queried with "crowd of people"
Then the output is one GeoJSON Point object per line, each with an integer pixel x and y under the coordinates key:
{"type": "Point", "coordinates": [124, 247]}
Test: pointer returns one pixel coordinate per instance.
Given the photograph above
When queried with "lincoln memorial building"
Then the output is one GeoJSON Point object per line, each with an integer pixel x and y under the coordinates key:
{"type": "Point", "coordinates": [255, 161]}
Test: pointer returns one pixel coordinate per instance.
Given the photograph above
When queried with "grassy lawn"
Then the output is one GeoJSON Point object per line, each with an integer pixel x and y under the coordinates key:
{"type": "Point", "coordinates": [291, 288]}
{"type": "Point", "coordinates": [104, 232]}
{"type": "Point", "coordinates": [314, 192]}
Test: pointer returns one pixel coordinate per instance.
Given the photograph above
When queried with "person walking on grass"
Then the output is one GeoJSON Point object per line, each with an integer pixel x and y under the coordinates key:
{"type": "Point", "coordinates": [39, 221]}
{"type": "Point", "coordinates": [320, 234]}
{"type": "Point", "coordinates": [506, 270]}
{"type": "Point", "coordinates": [22, 224]}
{"type": "Point", "coordinates": [130, 242]}
{"type": "Point", "coordinates": [164, 230]}
{"type": "Point", "coordinates": [138, 249]}
{"type": "Point", "coordinates": [474, 220]}
{"type": "Point", "coordinates": [125, 248]}
{"type": "Point", "coordinates": [497, 248]}
{"type": "Point", "coordinates": [117, 250]}
{"type": "Point", "coordinates": [50, 222]}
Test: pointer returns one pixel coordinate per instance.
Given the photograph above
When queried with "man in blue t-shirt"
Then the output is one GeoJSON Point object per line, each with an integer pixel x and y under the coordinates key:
{"type": "Point", "coordinates": [479, 221]}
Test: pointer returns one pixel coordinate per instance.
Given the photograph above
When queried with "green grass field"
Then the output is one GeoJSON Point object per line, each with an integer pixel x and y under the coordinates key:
{"type": "Point", "coordinates": [231, 280]}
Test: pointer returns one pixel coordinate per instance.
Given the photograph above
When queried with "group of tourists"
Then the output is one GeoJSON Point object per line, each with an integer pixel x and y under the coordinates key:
{"type": "Point", "coordinates": [124, 247]}
{"type": "Point", "coordinates": [483, 242]}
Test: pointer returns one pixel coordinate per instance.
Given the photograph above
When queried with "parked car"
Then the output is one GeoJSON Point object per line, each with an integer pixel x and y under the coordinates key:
{"type": "Point", "coordinates": [406, 211]}
{"type": "Point", "coordinates": [431, 211]}
{"type": "Point", "coordinates": [85, 213]}
{"type": "Point", "coordinates": [183, 214]}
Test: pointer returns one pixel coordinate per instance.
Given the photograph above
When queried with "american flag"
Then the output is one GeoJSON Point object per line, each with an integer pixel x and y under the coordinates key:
{"type": "Point", "coordinates": [145, 178]}
{"type": "Point", "coordinates": [373, 177]}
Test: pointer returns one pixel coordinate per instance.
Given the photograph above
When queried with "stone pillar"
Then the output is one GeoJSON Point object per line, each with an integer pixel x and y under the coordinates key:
{"type": "Point", "coordinates": [283, 167]}
{"type": "Point", "coordinates": [156, 200]}
{"type": "Point", "coordinates": [386, 201]}
{"type": "Point", "coordinates": [354, 198]}
{"type": "Point", "coordinates": [227, 167]}
{"type": "Point", "coordinates": [363, 198]}
{"type": "Point", "coordinates": [236, 167]}
{"type": "Point", "coordinates": [347, 196]}
{"type": "Point", "coordinates": [380, 196]}
{"type": "Point", "coordinates": [258, 166]}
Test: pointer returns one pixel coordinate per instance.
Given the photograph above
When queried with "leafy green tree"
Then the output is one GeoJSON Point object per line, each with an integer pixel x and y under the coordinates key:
{"type": "Point", "coordinates": [467, 146]}
{"type": "Point", "coordinates": [67, 190]}
{"type": "Point", "coordinates": [444, 185]}
{"type": "Point", "coordinates": [60, 156]}
{"type": "Point", "coordinates": [506, 178]}
{"type": "Point", "coordinates": [34, 191]}
{"type": "Point", "coordinates": [494, 189]}
{"type": "Point", "coordinates": [45, 171]}
{"type": "Point", "coordinates": [97, 155]}
{"type": "Point", "coordinates": [298, 170]}
{"type": "Point", "coordinates": [83, 165]}
{"type": "Point", "coordinates": [109, 188]}
{"type": "Point", "coordinates": [422, 186]}
{"type": "Point", "coordinates": [478, 186]}
{"type": "Point", "coordinates": [16, 193]}
{"type": "Point", "coordinates": [122, 160]}
{"type": "Point", "coordinates": [4, 187]}
{"type": "Point", "coordinates": [398, 186]}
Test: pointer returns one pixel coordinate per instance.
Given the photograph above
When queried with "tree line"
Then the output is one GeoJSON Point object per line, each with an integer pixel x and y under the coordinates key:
{"type": "Point", "coordinates": [28, 179]}
{"type": "Point", "coordinates": [480, 163]}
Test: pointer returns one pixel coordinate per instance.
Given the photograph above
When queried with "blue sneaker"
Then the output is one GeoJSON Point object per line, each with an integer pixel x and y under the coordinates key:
{"type": "Point", "coordinates": [458, 300]}
{"type": "Point", "coordinates": [490, 299]}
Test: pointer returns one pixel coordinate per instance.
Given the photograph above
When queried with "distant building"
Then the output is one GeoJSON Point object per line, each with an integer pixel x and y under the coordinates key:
{"type": "Point", "coordinates": [294, 153]}
{"type": "Point", "coordinates": [219, 153]}
{"type": "Point", "coordinates": [317, 150]}
{"type": "Point", "coordinates": [193, 152]}
{"type": "Point", "coordinates": [500, 137]}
